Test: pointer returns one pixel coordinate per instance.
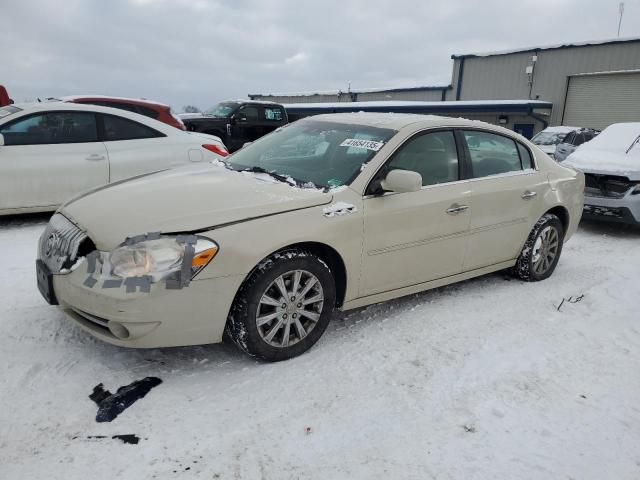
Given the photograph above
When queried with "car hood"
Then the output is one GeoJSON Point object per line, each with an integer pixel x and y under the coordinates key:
{"type": "Point", "coordinates": [185, 199]}
{"type": "Point", "coordinates": [605, 162]}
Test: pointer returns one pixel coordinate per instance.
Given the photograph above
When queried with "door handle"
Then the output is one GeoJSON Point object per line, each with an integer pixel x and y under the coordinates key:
{"type": "Point", "coordinates": [95, 157]}
{"type": "Point", "coordinates": [528, 194]}
{"type": "Point", "coordinates": [456, 209]}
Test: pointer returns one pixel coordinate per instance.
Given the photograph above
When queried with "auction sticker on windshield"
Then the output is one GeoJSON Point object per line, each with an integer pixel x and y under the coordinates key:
{"type": "Point", "coordinates": [368, 144]}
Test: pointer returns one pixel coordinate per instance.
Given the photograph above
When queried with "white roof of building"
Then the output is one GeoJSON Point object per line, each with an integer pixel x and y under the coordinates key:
{"type": "Point", "coordinates": [550, 47]}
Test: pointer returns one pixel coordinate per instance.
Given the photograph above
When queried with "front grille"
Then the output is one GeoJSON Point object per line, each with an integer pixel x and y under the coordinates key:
{"type": "Point", "coordinates": [608, 186]}
{"type": "Point", "coordinates": [61, 242]}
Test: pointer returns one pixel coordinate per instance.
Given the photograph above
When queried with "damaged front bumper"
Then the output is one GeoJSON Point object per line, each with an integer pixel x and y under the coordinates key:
{"type": "Point", "coordinates": [161, 317]}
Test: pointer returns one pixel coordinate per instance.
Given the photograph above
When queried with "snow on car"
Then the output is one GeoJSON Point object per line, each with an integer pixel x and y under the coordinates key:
{"type": "Point", "coordinates": [548, 139]}
{"type": "Point", "coordinates": [611, 164]}
{"type": "Point", "coordinates": [52, 151]}
{"type": "Point", "coordinates": [208, 249]}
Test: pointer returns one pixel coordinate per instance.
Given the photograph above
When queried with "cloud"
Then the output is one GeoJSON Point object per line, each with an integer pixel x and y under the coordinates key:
{"type": "Point", "coordinates": [203, 51]}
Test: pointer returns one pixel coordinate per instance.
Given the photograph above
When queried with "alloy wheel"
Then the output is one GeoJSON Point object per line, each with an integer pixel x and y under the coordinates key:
{"type": "Point", "coordinates": [545, 250]}
{"type": "Point", "coordinates": [289, 308]}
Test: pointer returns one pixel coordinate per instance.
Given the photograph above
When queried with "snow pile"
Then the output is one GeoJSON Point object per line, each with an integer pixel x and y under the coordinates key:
{"type": "Point", "coordinates": [616, 150]}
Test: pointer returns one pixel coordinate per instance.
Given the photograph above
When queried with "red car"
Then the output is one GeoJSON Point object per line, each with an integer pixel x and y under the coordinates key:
{"type": "Point", "coordinates": [156, 110]}
{"type": "Point", "coordinates": [4, 97]}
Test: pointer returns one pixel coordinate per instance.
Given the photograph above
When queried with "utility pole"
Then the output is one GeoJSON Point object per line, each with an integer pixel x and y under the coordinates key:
{"type": "Point", "coordinates": [621, 10]}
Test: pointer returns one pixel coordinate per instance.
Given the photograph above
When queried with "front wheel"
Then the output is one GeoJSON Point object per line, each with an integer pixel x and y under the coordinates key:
{"type": "Point", "coordinates": [284, 306]}
{"type": "Point", "coordinates": [541, 251]}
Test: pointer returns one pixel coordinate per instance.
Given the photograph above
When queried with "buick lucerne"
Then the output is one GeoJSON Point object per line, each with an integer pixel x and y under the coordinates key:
{"type": "Point", "coordinates": [333, 211]}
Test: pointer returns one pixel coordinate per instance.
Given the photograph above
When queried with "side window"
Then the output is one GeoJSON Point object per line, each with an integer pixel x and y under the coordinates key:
{"type": "Point", "coordinates": [432, 155]}
{"type": "Point", "coordinates": [52, 128]}
{"type": "Point", "coordinates": [570, 138]}
{"type": "Point", "coordinates": [248, 114]}
{"type": "Point", "coordinates": [273, 114]}
{"type": "Point", "coordinates": [118, 128]}
{"type": "Point", "coordinates": [525, 156]}
{"type": "Point", "coordinates": [491, 154]}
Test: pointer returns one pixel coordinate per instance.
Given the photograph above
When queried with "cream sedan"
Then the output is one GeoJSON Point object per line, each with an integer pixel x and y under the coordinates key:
{"type": "Point", "coordinates": [334, 211]}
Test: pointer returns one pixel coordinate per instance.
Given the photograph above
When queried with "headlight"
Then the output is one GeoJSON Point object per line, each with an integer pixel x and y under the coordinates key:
{"type": "Point", "coordinates": [161, 257]}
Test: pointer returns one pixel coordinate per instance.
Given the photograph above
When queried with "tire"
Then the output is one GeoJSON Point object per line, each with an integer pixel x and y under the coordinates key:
{"type": "Point", "coordinates": [265, 324]}
{"type": "Point", "coordinates": [541, 251]}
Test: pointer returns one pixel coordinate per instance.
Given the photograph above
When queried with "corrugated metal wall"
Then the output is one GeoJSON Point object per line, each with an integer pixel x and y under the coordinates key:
{"type": "Point", "coordinates": [504, 76]}
{"type": "Point", "coordinates": [597, 101]}
{"type": "Point", "coordinates": [415, 95]}
{"type": "Point", "coordinates": [320, 98]}
{"type": "Point", "coordinates": [409, 94]}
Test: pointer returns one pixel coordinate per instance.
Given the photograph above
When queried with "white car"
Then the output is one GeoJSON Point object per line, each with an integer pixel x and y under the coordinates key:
{"type": "Point", "coordinates": [611, 166]}
{"type": "Point", "coordinates": [340, 210]}
{"type": "Point", "coordinates": [548, 139]}
{"type": "Point", "coordinates": [52, 151]}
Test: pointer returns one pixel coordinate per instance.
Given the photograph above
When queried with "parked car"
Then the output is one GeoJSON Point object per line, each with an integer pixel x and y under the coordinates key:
{"type": "Point", "coordinates": [4, 97]}
{"type": "Point", "coordinates": [51, 151]}
{"type": "Point", "coordinates": [155, 110]}
{"type": "Point", "coordinates": [340, 210]}
{"type": "Point", "coordinates": [238, 122]}
{"type": "Point", "coordinates": [572, 141]}
{"type": "Point", "coordinates": [548, 139]}
{"type": "Point", "coordinates": [611, 166]}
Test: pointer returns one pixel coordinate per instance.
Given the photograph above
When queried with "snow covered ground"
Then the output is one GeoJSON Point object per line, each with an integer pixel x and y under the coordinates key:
{"type": "Point", "coordinates": [484, 379]}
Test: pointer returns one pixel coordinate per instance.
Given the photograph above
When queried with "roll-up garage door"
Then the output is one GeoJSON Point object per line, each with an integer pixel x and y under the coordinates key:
{"type": "Point", "coordinates": [598, 100]}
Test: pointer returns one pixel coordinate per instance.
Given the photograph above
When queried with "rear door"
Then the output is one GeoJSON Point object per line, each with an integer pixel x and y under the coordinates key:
{"type": "Point", "coordinates": [49, 157]}
{"type": "Point", "coordinates": [135, 148]}
{"type": "Point", "coordinates": [506, 192]}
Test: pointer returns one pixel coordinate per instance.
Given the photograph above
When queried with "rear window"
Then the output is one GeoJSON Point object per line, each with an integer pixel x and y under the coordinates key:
{"type": "Point", "coordinates": [118, 128]}
{"type": "Point", "coordinates": [8, 110]}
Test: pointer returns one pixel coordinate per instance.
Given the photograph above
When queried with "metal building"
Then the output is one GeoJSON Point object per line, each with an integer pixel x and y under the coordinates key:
{"type": "Point", "coordinates": [589, 84]}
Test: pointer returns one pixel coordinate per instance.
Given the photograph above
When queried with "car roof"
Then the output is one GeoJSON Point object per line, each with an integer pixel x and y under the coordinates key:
{"type": "Point", "coordinates": [137, 101]}
{"type": "Point", "coordinates": [560, 129]}
{"type": "Point", "coordinates": [397, 121]}
{"type": "Point", "coordinates": [67, 106]}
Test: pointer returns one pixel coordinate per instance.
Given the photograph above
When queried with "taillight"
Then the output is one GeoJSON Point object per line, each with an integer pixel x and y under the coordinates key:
{"type": "Point", "coordinates": [217, 149]}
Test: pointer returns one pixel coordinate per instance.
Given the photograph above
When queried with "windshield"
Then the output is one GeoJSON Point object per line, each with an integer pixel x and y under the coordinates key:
{"type": "Point", "coordinates": [314, 153]}
{"type": "Point", "coordinates": [549, 138]}
{"type": "Point", "coordinates": [8, 110]}
{"type": "Point", "coordinates": [222, 110]}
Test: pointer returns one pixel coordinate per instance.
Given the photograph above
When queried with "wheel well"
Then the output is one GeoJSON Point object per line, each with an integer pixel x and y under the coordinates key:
{"type": "Point", "coordinates": [333, 259]}
{"type": "Point", "coordinates": [562, 214]}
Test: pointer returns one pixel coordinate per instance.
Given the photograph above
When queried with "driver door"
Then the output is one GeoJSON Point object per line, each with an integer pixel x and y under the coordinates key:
{"type": "Point", "coordinates": [415, 237]}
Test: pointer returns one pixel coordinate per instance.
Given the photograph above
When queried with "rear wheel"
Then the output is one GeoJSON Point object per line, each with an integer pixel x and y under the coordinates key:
{"type": "Point", "coordinates": [284, 306]}
{"type": "Point", "coordinates": [541, 252]}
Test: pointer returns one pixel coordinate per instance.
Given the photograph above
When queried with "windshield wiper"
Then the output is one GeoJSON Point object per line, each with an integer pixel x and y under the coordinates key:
{"type": "Point", "coordinates": [277, 176]}
{"type": "Point", "coordinates": [633, 144]}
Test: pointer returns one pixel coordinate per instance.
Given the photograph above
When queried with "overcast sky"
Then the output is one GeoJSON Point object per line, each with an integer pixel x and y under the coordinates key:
{"type": "Point", "coordinates": [202, 51]}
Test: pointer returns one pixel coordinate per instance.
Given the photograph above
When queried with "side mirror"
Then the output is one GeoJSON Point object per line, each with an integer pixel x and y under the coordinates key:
{"type": "Point", "coordinates": [402, 181]}
{"type": "Point", "coordinates": [246, 144]}
{"type": "Point", "coordinates": [1, 140]}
